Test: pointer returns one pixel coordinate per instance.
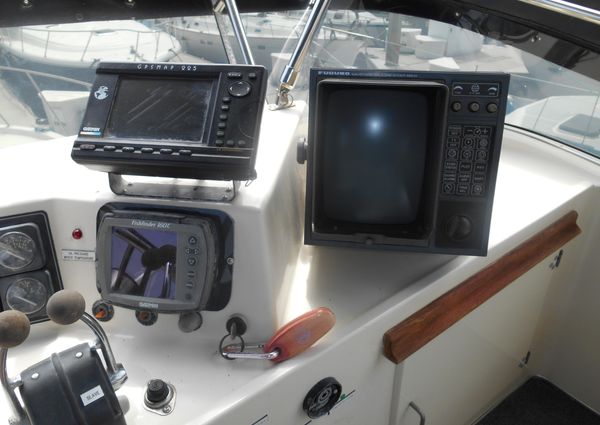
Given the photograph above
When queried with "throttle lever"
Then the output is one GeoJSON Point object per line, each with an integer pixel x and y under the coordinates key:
{"type": "Point", "coordinates": [57, 382]}
{"type": "Point", "coordinates": [288, 341]}
{"type": "Point", "coordinates": [66, 307]}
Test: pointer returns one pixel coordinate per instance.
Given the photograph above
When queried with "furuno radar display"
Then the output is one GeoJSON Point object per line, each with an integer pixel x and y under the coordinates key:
{"type": "Point", "coordinates": [403, 160]}
{"type": "Point", "coordinates": [173, 120]}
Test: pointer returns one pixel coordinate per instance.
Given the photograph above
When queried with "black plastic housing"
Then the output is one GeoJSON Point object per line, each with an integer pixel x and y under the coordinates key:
{"type": "Point", "coordinates": [207, 290]}
{"type": "Point", "coordinates": [70, 388]}
{"type": "Point", "coordinates": [43, 268]}
{"type": "Point", "coordinates": [465, 120]}
{"type": "Point", "coordinates": [231, 122]}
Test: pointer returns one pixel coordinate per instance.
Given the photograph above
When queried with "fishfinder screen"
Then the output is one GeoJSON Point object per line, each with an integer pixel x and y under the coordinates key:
{"type": "Point", "coordinates": [143, 262]}
{"type": "Point", "coordinates": [165, 109]}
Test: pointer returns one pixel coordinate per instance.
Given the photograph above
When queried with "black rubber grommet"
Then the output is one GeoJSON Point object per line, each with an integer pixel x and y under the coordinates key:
{"type": "Point", "coordinates": [322, 397]}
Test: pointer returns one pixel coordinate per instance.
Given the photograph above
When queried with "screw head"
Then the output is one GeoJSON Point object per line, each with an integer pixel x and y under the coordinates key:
{"type": "Point", "coordinates": [230, 261]}
{"type": "Point", "coordinates": [167, 409]}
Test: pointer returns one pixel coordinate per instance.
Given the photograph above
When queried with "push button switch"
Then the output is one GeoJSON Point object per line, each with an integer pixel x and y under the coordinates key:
{"type": "Point", "coordinates": [240, 89]}
{"type": "Point", "coordinates": [157, 391]}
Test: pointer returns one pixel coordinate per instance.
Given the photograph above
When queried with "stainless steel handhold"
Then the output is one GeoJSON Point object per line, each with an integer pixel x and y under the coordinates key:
{"type": "Point", "coordinates": [292, 69]}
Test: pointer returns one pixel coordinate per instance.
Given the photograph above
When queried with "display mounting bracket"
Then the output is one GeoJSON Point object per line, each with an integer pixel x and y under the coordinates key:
{"type": "Point", "coordinates": [184, 189]}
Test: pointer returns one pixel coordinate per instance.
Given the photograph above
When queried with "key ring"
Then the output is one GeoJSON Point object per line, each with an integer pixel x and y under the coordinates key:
{"type": "Point", "coordinates": [224, 350]}
{"type": "Point", "coordinates": [236, 327]}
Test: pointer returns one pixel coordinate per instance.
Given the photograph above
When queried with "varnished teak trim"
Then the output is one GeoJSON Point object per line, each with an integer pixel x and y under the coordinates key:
{"type": "Point", "coordinates": [413, 333]}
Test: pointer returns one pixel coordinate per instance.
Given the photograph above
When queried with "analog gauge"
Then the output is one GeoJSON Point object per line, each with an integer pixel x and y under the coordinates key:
{"type": "Point", "coordinates": [27, 295]}
{"type": "Point", "coordinates": [17, 250]}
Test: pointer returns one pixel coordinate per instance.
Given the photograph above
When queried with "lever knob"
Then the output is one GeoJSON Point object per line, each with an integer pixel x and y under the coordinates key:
{"type": "Point", "coordinates": [459, 227]}
{"type": "Point", "coordinates": [14, 328]}
{"type": "Point", "coordinates": [65, 307]}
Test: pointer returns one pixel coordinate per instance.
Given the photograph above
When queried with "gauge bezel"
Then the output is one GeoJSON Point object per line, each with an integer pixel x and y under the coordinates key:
{"type": "Point", "coordinates": [27, 260]}
{"type": "Point", "coordinates": [39, 306]}
{"type": "Point", "coordinates": [42, 276]}
{"type": "Point", "coordinates": [39, 259]}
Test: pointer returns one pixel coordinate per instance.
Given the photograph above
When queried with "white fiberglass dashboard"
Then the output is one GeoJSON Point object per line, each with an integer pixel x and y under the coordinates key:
{"type": "Point", "coordinates": [275, 278]}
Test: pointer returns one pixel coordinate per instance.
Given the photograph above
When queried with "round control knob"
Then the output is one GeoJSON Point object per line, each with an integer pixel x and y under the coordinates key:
{"type": "Point", "coordinates": [240, 89]}
{"type": "Point", "coordinates": [65, 307]}
{"type": "Point", "coordinates": [190, 321]}
{"type": "Point", "coordinates": [14, 328]}
{"type": "Point", "coordinates": [103, 311]}
{"type": "Point", "coordinates": [302, 150]}
{"type": "Point", "coordinates": [458, 227]}
{"type": "Point", "coordinates": [146, 318]}
{"type": "Point", "coordinates": [157, 391]}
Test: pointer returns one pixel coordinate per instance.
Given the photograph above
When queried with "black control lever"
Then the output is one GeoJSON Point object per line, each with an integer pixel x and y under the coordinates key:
{"type": "Point", "coordinates": [66, 307]}
{"type": "Point", "coordinates": [50, 389]}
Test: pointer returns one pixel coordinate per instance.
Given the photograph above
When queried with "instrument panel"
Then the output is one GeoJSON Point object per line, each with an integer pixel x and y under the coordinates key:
{"type": "Point", "coordinates": [29, 272]}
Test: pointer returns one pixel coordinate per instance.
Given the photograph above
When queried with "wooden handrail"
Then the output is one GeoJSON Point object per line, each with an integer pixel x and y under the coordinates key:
{"type": "Point", "coordinates": [417, 330]}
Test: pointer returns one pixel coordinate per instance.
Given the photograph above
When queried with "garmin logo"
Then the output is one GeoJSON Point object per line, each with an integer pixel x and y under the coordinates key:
{"type": "Point", "coordinates": [147, 305]}
{"type": "Point", "coordinates": [151, 224]}
{"type": "Point", "coordinates": [91, 129]}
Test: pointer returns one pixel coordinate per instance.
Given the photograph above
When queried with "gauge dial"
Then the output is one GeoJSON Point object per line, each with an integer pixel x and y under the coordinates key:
{"type": "Point", "coordinates": [27, 295]}
{"type": "Point", "coordinates": [17, 250]}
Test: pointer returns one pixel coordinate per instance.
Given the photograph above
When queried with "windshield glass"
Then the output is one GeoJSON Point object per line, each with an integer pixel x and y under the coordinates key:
{"type": "Point", "coordinates": [47, 70]}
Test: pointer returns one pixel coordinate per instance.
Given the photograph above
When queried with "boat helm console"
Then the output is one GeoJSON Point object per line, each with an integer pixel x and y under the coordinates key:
{"type": "Point", "coordinates": [396, 160]}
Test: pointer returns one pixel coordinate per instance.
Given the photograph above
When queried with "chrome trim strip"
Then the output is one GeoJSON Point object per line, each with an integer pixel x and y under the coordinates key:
{"type": "Point", "coordinates": [567, 8]}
